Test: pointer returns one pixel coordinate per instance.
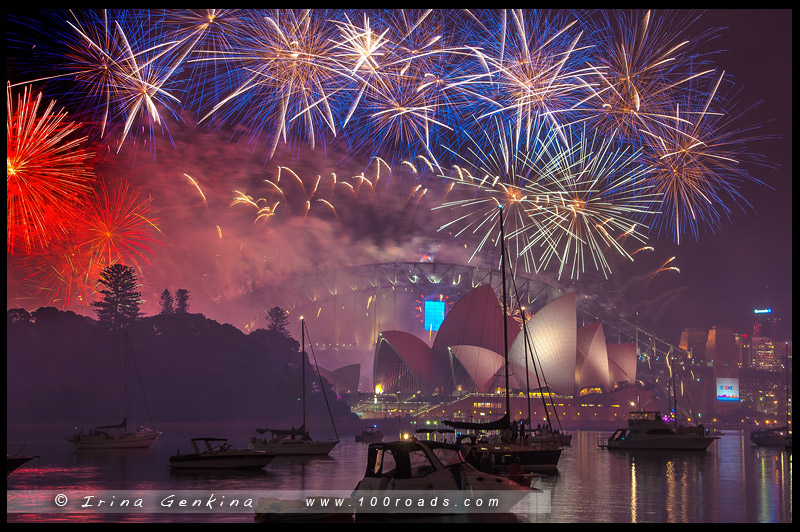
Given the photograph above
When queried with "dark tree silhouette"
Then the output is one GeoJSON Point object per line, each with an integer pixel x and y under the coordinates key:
{"type": "Point", "coordinates": [17, 315]}
{"type": "Point", "coordinates": [181, 301]}
{"type": "Point", "coordinates": [121, 301]}
{"type": "Point", "coordinates": [278, 320]}
{"type": "Point", "coordinates": [167, 303]}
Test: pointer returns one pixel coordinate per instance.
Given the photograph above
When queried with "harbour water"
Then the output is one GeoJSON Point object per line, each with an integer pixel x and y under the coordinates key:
{"type": "Point", "coordinates": [733, 481]}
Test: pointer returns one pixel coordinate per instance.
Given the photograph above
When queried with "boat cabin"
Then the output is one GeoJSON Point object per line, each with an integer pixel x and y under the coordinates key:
{"type": "Point", "coordinates": [410, 459]}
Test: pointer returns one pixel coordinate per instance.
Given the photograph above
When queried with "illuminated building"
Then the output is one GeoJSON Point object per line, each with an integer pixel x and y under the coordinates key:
{"type": "Point", "coordinates": [466, 354]}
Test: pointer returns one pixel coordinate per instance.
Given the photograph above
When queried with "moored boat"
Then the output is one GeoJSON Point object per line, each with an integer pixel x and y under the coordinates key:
{"type": "Point", "coordinates": [118, 436]}
{"type": "Point", "coordinates": [290, 442]}
{"type": "Point", "coordinates": [370, 435]}
{"type": "Point", "coordinates": [15, 460]}
{"type": "Point", "coordinates": [115, 437]}
{"type": "Point", "coordinates": [216, 453]}
{"type": "Point", "coordinates": [647, 430]}
{"type": "Point", "coordinates": [772, 437]}
{"type": "Point", "coordinates": [295, 442]}
{"type": "Point", "coordinates": [425, 465]}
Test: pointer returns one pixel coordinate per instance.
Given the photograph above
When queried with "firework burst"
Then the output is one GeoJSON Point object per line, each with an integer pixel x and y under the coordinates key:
{"type": "Point", "coordinates": [641, 66]}
{"type": "Point", "coordinates": [699, 163]}
{"type": "Point", "coordinates": [570, 203]}
{"type": "Point", "coordinates": [120, 226]}
{"type": "Point", "coordinates": [47, 171]}
{"type": "Point", "coordinates": [285, 78]}
{"type": "Point", "coordinates": [116, 225]}
{"type": "Point", "coordinates": [115, 70]}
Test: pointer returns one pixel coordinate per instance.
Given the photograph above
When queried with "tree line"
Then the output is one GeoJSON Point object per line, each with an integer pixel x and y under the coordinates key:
{"type": "Point", "coordinates": [121, 301]}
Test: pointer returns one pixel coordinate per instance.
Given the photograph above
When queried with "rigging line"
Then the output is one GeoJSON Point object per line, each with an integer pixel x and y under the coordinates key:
{"type": "Point", "coordinates": [128, 345]}
{"type": "Point", "coordinates": [321, 385]}
{"type": "Point", "coordinates": [536, 368]}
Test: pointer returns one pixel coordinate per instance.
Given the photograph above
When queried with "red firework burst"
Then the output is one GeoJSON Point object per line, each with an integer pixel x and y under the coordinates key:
{"type": "Point", "coordinates": [119, 225]}
{"type": "Point", "coordinates": [47, 173]}
{"type": "Point", "coordinates": [116, 225]}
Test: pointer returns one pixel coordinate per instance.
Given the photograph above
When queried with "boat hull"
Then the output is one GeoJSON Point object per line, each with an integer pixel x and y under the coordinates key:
{"type": "Point", "coordinates": [533, 457]}
{"type": "Point", "coordinates": [14, 462]}
{"type": "Point", "coordinates": [294, 447]}
{"type": "Point", "coordinates": [138, 440]}
{"type": "Point", "coordinates": [771, 438]}
{"type": "Point", "coordinates": [246, 460]}
{"type": "Point", "coordinates": [673, 443]}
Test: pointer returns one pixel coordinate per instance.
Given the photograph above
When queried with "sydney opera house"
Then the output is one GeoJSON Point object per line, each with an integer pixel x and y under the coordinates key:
{"type": "Point", "coordinates": [550, 353]}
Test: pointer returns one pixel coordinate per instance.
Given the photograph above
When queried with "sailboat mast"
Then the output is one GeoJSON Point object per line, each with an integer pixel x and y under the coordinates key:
{"type": "Point", "coordinates": [505, 306]}
{"type": "Point", "coordinates": [303, 365]}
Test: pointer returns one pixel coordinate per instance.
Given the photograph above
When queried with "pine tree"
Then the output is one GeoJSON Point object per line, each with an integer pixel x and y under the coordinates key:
{"type": "Point", "coordinates": [121, 301]}
{"type": "Point", "coordinates": [181, 301]}
{"type": "Point", "coordinates": [278, 320]}
{"type": "Point", "coordinates": [167, 303]}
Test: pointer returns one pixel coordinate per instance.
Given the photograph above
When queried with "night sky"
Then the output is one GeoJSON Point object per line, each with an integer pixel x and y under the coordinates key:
{"type": "Point", "coordinates": [724, 275]}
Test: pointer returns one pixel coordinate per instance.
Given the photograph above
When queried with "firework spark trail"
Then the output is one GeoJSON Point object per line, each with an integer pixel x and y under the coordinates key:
{"type": "Point", "coordinates": [121, 225]}
{"type": "Point", "coordinates": [699, 163]}
{"type": "Point", "coordinates": [564, 203]}
{"type": "Point", "coordinates": [640, 68]}
{"type": "Point", "coordinates": [286, 77]}
{"type": "Point", "coordinates": [514, 91]}
{"type": "Point", "coordinates": [121, 68]}
{"type": "Point", "coordinates": [202, 195]}
{"type": "Point", "coordinates": [116, 225]}
{"type": "Point", "coordinates": [47, 172]}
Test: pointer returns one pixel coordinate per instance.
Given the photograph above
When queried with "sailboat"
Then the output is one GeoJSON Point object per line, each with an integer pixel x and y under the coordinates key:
{"type": "Point", "coordinates": [294, 441]}
{"type": "Point", "coordinates": [117, 436]}
{"type": "Point", "coordinates": [533, 455]}
{"type": "Point", "coordinates": [544, 432]}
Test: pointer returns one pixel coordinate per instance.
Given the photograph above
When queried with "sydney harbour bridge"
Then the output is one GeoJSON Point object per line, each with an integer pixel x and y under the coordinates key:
{"type": "Point", "coordinates": [346, 309]}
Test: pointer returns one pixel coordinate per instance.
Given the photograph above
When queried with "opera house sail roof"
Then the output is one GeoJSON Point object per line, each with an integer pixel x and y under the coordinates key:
{"type": "Point", "coordinates": [468, 352]}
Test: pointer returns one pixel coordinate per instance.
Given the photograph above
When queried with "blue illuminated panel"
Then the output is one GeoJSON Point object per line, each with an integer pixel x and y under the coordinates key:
{"type": "Point", "coordinates": [434, 315]}
{"type": "Point", "coordinates": [727, 389]}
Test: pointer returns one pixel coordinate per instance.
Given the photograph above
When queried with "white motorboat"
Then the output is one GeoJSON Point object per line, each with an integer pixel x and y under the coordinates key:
{"type": "Point", "coordinates": [216, 453]}
{"type": "Point", "coordinates": [647, 430]}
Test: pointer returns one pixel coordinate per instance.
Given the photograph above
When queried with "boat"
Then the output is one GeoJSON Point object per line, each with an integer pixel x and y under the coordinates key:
{"type": "Point", "coordinates": [409, 465]}
{"type": "Point", "coordinates": [772, 437]}
{"type": "Point", "coordinates": [290, 442]}
{"type": "Point", "coordinates": [548, 433]}
{"type": "Point", "coordinates": [16, 459]}
{"type": "Point", "coordinates": [294, 442]}
{"type": "Point", "coordinates": [409, 469]}
{"type": "Point", "coordinates": [117, 436]}
{"type": "Point", "coordinates": [648, 430]}
{"type": "Point", "coordinates": [370, 435]}
{"type": "Point", "coordinates": [503, 449]}
{"type": "Point", "coordinates": [217, 453]}
{"type": "Point", "coordinates": [501, 452]}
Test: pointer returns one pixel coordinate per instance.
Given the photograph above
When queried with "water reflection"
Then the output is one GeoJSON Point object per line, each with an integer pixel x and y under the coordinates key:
{"type": "Point", "coordinates": [732, 482]}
